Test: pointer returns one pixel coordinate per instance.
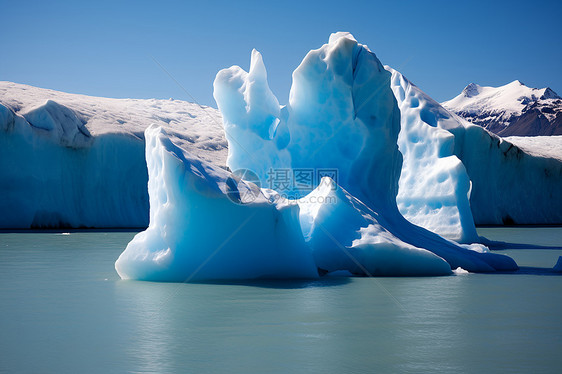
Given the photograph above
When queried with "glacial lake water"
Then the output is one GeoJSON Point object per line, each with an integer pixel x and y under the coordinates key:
{"type": "Point", "coordinates": [63, 309]}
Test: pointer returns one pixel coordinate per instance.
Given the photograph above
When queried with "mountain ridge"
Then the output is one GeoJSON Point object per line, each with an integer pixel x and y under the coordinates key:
{"type": "Point", "coordinates": [513, 109]}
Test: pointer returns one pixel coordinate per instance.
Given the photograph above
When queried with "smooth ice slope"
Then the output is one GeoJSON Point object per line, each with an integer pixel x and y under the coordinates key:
{"type": "Point", "coordinates": [342, 115]}
{"type": "Point", "coordinates": [434, 187]}
{"type": "Point", "coordinates": [344, 234]}
{"type": "Point", "coordinates": [78, 161]}
{"type": "Point", "coordinates": [198, 233]}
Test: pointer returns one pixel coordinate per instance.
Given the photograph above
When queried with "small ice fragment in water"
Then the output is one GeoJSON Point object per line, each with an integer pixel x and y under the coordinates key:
{"type": "Point", "coordinates": [459, 271]}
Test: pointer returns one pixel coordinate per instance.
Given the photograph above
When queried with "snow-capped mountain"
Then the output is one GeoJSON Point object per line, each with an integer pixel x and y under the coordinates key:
{"type": "Point", "coordinates": [510, 110]}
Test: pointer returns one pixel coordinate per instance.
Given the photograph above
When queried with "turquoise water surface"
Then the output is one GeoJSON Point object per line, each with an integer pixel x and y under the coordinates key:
{"type": "Point", "coordinates": [63, 309]}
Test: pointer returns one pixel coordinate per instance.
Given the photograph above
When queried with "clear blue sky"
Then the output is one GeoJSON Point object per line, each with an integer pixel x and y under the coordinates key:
{"type": "Point", "coordinates": [105, 48]}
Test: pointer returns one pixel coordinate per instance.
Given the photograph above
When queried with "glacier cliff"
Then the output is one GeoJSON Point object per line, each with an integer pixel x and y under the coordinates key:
{"type": "Point", "coordinates": [70, 160]}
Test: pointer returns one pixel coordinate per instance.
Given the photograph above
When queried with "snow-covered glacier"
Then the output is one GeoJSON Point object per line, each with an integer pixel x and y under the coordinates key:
{"type": "Point", "coordinates": [209, 224]}
{"type": "Point", "coordinates": [70, 160]}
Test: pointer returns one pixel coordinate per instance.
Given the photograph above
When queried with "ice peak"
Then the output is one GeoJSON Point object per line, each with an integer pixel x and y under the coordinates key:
{"type": "Point", "coordinates": [257, 66]}
{"type": "Point", "coordinates": [334, 37]}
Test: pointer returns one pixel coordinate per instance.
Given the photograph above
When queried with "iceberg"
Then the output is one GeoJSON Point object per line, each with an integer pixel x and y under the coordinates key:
{"type": "Point", "coordinates": [342, 115]}
{"type": "Point", "coordinates": [209, 224]}
{"type": "Point", "coordinates": [206, 224]}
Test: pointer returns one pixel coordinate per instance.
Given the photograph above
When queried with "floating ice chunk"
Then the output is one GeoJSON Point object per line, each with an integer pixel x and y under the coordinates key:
{"type": "Point", "coordinates": [344, 234]}
{"type": "Point", "coordinates": [460, 271]}
{"type": "Point", "coordinates": [205, 224]}
{"type": "Point", "coordinates": [342, 115]}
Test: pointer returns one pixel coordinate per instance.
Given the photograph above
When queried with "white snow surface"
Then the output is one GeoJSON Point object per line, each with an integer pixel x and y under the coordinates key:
{"type": "Point", "coordinates": [71, 160]}
{"type": "Point", "coordinates": [506, 101]}
{"type": "Point", "coordinates": [539, 146]}
{"type": "Point", "coordinates": [191, 126]}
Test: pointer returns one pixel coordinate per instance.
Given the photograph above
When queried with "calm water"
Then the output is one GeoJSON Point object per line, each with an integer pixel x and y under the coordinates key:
{"type": "Point", "coordinates": [63, 309]}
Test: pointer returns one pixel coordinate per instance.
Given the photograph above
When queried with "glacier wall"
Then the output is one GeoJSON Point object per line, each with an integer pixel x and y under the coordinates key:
{"type": "Point", "coordinates": [55, 174]}
{"type": "Point", "coordinates": [510, 186]}
{"type": "Point", "coordinates": [69, 160]}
